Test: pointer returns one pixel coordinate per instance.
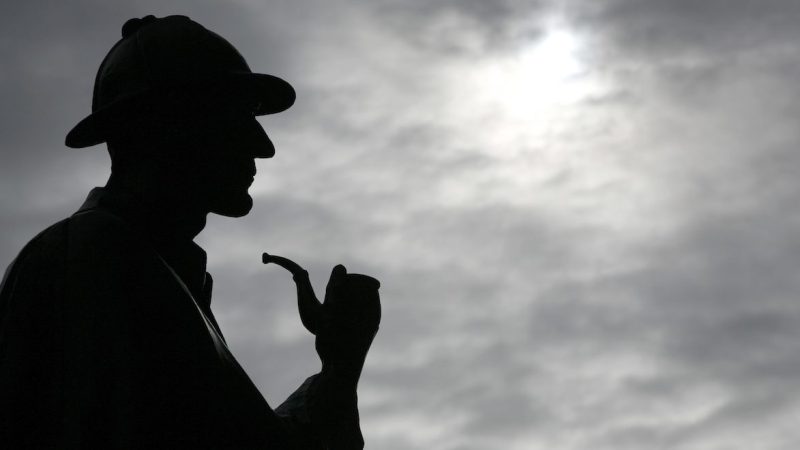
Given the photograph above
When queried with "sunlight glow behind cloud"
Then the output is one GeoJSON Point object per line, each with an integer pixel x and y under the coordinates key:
{"type": "Point", "coordinates": [530, 81]}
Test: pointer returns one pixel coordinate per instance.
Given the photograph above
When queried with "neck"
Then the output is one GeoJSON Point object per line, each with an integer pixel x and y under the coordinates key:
{"type": "Point", "coordinates": [163, 210]}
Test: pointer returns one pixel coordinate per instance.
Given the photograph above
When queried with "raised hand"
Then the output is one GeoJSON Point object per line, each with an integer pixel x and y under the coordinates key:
{"type": "Point", "coordinates": [346, 323]}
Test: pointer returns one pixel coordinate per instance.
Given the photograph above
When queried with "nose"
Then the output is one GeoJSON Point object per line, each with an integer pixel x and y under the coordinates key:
{"type": "Point", "coordinates": [257, 140]}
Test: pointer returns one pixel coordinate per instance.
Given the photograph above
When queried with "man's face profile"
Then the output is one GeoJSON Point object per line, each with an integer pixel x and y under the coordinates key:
{"type": "Point", "coordinates": [207, 151]}
{"type": "Point", "coordinates": [227, 142]}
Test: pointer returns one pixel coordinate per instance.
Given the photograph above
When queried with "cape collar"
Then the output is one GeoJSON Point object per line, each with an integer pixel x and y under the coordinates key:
{"type": "Point", "coordinates": [186, 257]}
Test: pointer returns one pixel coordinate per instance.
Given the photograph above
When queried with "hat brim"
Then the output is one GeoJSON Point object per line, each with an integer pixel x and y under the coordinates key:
{"type": "Point", "coordinates": [261, 93]}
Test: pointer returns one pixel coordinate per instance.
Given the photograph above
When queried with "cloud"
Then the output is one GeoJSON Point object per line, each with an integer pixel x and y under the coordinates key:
{"type": "Point", "coordinates": [609, 265]}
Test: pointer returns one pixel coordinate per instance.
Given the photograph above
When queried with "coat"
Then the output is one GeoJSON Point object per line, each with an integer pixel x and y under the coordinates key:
{"type": "Point", "coordinates": [103, 344]}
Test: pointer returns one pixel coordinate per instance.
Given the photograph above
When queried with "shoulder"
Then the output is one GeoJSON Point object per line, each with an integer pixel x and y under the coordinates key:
{"type": "Point", "coordinates": [83, 252]}
{"type": "Point", "coordinates": [41, 252]}
{"type": "Point", "coordinates": [49, 254]}
{"type": "Point", "coordinates": [33, 278]}
{"type": "Point", "coordinates": [92, 225]}
{"type": "Point", "coordinates": [72, 236]}
{"type": "Point", "coordinates": [50, 239]}
{"type": "Point", "coordinates": [97, 225]}
{"type": "Point", "coordinates": [97, 230]}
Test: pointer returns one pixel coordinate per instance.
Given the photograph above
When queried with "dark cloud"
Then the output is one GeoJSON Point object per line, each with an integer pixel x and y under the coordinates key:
{"type": "Point", "coordinates": [687, 28]}
{"type": "Point", "coordinates": [464, 28]}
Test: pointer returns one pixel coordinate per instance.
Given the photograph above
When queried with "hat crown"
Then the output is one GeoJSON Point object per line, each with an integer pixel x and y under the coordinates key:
{"type": "Point", "coordinates": [157, 54]}
{"type": "Point", "coordinates": [133, 25]}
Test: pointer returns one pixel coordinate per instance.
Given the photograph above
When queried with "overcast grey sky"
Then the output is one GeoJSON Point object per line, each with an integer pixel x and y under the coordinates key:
{"type": "Point", "coordinates": [583, 214]}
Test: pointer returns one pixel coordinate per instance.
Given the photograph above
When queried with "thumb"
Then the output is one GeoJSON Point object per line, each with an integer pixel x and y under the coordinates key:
{"type": "Point", "coordinates": [337, 279]}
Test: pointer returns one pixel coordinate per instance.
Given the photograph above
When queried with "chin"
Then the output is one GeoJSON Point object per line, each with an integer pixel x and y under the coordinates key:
{"type": "Point", "coordinates": [238, 206]}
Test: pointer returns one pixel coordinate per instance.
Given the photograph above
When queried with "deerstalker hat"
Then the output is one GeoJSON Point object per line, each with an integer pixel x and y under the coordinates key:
{"type": "Point", "coordinates": [157, 56]}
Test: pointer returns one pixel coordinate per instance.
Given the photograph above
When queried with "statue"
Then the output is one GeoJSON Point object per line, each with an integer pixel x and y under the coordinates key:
{"type": "Point", "coordinates": [107, 338]}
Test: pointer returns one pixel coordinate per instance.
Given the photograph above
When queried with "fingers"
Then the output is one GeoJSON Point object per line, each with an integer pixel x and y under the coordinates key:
{"type": "Point", "coordinates": [353, 301]}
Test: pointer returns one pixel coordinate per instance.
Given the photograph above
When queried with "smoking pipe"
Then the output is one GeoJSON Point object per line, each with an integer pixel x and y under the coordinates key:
{"type": "Point", "coordinates": [352, 298]}
{"type": "Point", "coordinates": [311, 313]}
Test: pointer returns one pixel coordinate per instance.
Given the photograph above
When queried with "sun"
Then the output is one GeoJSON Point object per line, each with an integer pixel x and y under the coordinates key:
{"type": "Point", "coordinates": [552, 60]}
{"type": "Point", "coordinates": [537, 76]}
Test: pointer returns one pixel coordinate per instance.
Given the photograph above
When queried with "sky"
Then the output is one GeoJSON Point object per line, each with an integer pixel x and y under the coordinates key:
{"type": "Point", "coordinates": [583, 214]}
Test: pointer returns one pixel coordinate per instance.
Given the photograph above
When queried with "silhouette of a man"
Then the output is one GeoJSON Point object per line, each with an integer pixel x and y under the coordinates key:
{"type": "Point", "coordinates": [107, 339]}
